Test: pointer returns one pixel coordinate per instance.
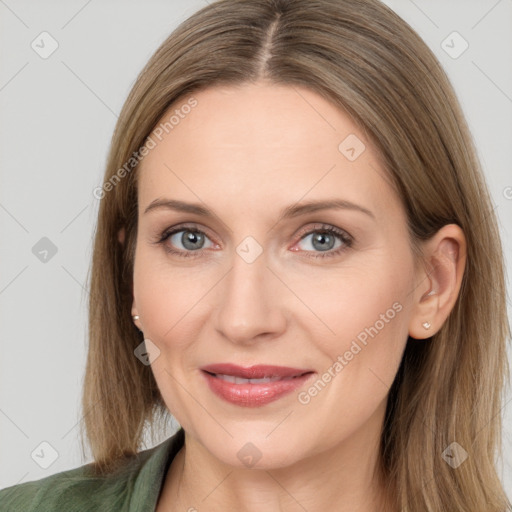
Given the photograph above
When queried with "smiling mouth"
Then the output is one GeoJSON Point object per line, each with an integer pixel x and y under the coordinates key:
{"type": "Point", "coordinates": [253, 386]}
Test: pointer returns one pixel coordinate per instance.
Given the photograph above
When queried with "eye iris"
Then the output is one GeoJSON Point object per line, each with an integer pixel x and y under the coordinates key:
{"type": "Point", "coordinates": [321, 238]}
{"type": "Point", "coordinates": [192, 237]}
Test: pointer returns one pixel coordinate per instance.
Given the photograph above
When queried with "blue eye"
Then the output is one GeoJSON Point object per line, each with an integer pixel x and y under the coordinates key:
{"type": "Point", "coordinates": [192, 240]}
{"type": "Point", "coordinates": [324, 239]}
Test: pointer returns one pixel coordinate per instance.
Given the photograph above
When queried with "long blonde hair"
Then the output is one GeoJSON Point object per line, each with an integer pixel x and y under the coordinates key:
{"type": "Point", "coordinates": [365, 59]}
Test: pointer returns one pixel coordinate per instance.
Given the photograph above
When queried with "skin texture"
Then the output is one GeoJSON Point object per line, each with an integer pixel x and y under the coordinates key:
{"type": "Point", "coordinates": [246, 153]}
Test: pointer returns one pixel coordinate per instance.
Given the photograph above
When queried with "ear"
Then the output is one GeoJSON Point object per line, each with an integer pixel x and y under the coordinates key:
{"type": "Point", "coordinates": [438, 284]}
{"type": "Point", "coordinates": [135, 312]}
{"type": "Point", "coordinates": [121, 234]}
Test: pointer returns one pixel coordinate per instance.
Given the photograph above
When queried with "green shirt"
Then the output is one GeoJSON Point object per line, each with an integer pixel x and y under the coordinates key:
{"type": "Point", "coordinates": [134, 488]}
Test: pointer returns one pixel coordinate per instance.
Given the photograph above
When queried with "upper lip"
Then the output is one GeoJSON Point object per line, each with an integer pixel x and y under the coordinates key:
{"type": "Point", "coordinates": [259, 371]}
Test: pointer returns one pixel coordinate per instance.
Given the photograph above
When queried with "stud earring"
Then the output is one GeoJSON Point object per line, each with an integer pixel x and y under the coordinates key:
{"type": "Point", "coordinates": [426, 325]}
{"type": "Point", "coordinates": [135, 318]}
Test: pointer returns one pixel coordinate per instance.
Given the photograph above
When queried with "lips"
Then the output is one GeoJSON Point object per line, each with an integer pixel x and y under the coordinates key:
{"type": "Point", "coordinates": [255, 385]}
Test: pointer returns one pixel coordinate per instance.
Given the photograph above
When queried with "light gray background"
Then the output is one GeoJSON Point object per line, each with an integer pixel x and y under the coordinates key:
{"type": "Point", "coordinates": [57, 118]}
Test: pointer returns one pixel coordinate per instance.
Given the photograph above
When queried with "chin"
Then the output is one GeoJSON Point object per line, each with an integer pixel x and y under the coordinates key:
{"type": "Point", "coordinates": [257, 451]}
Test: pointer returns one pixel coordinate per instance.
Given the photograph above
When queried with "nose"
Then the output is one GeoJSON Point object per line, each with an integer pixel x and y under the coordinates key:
{"type": "Point", "coordinates": [251, 305]}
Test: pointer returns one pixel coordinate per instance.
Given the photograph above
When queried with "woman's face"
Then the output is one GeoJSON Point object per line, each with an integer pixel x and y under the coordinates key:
{"type": "Point", "coordinates": [259, 280]}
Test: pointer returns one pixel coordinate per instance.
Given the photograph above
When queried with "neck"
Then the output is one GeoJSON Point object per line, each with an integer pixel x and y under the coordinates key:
{"type": "Point", "coordinates": [344, 478]}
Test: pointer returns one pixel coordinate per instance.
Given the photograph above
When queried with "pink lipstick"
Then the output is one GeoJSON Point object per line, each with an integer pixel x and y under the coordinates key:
{"type": "Point", "coordinates": [253, 386]}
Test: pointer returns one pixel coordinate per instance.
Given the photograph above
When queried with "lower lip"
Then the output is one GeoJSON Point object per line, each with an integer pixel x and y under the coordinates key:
{"type": "Point", "coordinates": [253, 395]}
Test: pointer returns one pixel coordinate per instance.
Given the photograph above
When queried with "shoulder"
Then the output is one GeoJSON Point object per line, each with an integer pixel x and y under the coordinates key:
{"type": "Point", "coordinates": [74, 490]}
{"type": "Point", "coordinates": [64, 490]}
{"type": "Point", "coordinates": [136, 484]}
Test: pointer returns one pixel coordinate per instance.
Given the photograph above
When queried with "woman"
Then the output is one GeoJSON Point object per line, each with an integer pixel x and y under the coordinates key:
{"type": "Point", "coordinates": [296, 255]}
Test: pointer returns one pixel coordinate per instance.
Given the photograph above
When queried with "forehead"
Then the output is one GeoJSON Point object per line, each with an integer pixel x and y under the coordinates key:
{"type": "Point", "coordinates": [255, 144]}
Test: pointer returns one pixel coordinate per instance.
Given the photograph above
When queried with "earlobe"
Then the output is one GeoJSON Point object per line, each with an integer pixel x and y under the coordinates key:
{"type": "Point", "coordinates": [440, 282]}
{"type": "Point", "coordinates": [121, 235]}
{"type": "Point", "coordinates": [136, 317]}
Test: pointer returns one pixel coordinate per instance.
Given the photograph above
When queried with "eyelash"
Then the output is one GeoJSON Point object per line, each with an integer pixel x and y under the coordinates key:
{"type": "Point", "coordinates": [319, 228]}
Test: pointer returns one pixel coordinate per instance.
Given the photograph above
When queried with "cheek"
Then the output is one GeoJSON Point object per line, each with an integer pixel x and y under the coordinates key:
{"type": "Point", "coordinates": [163, 295]}
{"type": "Point", "coordinates": [363, 332]}
{"type": "Point", "coordinates": [366, 308]}
{"type": "Point", "coordinates": [363, 303]}
{"type": "Point", "coordinates": [370, 319]}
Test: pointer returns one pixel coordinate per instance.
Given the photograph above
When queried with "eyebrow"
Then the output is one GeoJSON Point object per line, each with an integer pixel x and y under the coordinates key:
{"type": "Point", "coordinates": [289, 212]}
